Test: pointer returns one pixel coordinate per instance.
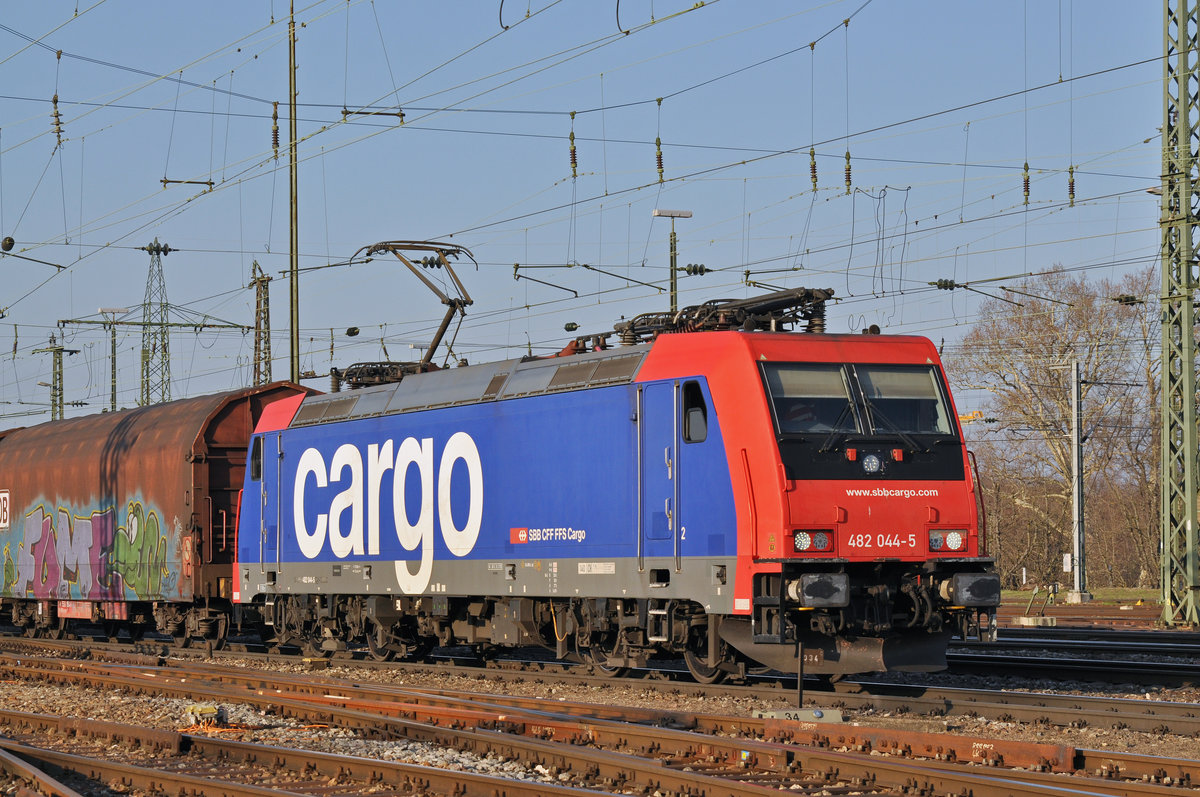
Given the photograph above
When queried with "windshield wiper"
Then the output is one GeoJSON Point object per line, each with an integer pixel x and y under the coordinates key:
{"type": "Point", "coordinates": [904, 436]}
{"type": "Point", "coordinates": [837, 430]}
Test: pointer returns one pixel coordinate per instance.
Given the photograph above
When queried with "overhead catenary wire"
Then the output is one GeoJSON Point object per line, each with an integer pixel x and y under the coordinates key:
{"type": "Point", "coordinates": [575, 205]}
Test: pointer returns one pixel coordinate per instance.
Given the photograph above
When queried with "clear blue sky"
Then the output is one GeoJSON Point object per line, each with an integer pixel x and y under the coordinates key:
{"type": "Point", "coordinates": [939, 103]}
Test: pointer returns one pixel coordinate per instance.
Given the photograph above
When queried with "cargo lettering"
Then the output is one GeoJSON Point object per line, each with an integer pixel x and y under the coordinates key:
{"type": "Point", "coordinates": [352, 524]}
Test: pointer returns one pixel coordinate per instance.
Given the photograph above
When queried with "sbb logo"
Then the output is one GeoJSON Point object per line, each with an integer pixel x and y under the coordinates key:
{"type": "Point", "coordinates": [359, 533]}
{"type": "Point", "coordinates": [517, 536]}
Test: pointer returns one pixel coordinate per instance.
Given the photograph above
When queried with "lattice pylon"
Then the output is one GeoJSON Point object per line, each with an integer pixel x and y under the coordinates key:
{"type": "Point", "coordinates": [262, 324]}
{"type": "Point", "coordinates": [156, 332]}
{"type": "Point", "coordinates": [1179, 477]}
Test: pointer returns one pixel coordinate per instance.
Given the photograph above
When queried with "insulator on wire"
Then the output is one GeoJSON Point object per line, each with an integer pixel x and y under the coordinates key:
{"type": "Point", "coordinates": [1071, 185]}
{"type": "Point", "coordinates": [847, 171]}
{"type": "Point", "coordinates": [1026, 182]}
{"type": "Point", "coordinates": [812, 166]}
{"type": "Point", "coordinates": [658, 144]}
{"type": "Point", "coordinates": [574, 160]}
{"type": "Point", "coordinates": [54, 114]}
{"type": "Point", "coordinates": [275, 130]}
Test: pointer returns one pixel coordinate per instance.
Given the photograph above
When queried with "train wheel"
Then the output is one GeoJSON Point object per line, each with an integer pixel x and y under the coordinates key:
{"type": "Point", "coordinates": [600, 652]}
{"type": "Point", "coordinates": [313, 648]}
{"type": "Point", "coordinates": [700, 670]}
{"type": "Point", "coordinates": [599, 663]}
{"type": "Point", "coordinates": [378, 639]}
{"type": "Point", "coordinates": [598, 642]}
{"type": "Point", "coordinates": [695, 656]}
{"type": "Point", "coordinates": [288, 622]}
{"type": "Point", "coordinates": [416, 650]}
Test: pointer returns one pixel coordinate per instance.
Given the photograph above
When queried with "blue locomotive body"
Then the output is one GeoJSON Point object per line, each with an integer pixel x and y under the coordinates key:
{"type": "Point", "coordinates": [537, 495]}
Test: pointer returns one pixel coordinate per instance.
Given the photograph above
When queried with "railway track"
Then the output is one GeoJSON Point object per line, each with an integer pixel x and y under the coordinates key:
{"type": "Point", "coordinates": [178, 763]}
{"type": "Point", "coordinates": [1144, 615]}
{"type": "Point", "coordinates": [594, 747]}
{"type": "Point", "coordinates": [1094, 640]}
{"type": "Point", "coordinates": [1073, 668]}
{"type": "Point", "coordinates": [1004, 705]}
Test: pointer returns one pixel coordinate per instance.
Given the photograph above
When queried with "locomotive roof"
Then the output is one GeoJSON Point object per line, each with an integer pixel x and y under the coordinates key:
{"type": "Point", "coordinates": [477, 383]}
{"type": "Point", "coordinates": [537, 376]}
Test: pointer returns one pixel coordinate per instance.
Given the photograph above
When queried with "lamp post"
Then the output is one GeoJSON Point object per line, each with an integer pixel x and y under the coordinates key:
{"type": "Point", "coordinates": [672, 215]}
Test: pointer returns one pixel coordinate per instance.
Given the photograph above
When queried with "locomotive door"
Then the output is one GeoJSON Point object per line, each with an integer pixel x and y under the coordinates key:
{"type": "Point", "coordinates": [658, 469]}
{"type": "Point", "coordinates": [269, 518]}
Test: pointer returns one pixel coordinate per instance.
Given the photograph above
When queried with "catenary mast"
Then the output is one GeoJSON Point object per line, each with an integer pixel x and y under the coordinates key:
{"type": "Point", "coordinates": [1179, 477]}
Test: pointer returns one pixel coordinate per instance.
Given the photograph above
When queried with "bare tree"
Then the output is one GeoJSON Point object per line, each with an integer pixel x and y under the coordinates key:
{"type": "Point", "coordinates": [1021, 350]}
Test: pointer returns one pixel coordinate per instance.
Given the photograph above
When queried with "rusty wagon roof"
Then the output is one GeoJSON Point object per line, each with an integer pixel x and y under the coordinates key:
{"type": "Point", "coordinates": [177, 426]}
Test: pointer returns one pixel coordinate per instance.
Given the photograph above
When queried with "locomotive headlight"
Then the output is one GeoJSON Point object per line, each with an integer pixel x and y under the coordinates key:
{"type": "Point", "coordinates": [942, 540]}
{"type": "Point", "coordinates": [807, 541]}
{"type": "Point", "coordinates": [871, 464]}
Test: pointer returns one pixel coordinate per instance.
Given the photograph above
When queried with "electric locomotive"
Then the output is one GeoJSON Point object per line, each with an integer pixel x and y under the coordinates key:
{"type": "Point", "coordinates": [703, 485]}
{"type": "Point", "coordinates": [708, 486]}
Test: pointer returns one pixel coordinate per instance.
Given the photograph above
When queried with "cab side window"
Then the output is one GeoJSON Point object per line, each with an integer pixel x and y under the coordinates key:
{"type": "Point", "coordinates": [695, 414]}
{"type": "Point", "coordinates": [256, 459]}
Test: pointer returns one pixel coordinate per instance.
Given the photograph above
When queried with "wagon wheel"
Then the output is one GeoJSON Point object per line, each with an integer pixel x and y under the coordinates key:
{"type": "Point", "coordinates": [220, 633]}
{"type": "Point", "coordinates": [56, 631]}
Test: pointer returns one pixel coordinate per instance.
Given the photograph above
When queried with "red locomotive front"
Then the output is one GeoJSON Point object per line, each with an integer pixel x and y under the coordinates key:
{"type": "Point", "coordinates": [858, 514]}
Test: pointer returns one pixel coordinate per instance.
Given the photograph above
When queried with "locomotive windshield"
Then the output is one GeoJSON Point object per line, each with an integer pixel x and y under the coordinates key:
{"type": "Point", "coordinates": [903, 399]}
{"type": "Point", "coordinates": [821, 409]}
{"type": "Point", "coordinates": [899, 399]}
{"type": "Point", "coordinates": [810, 398]}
